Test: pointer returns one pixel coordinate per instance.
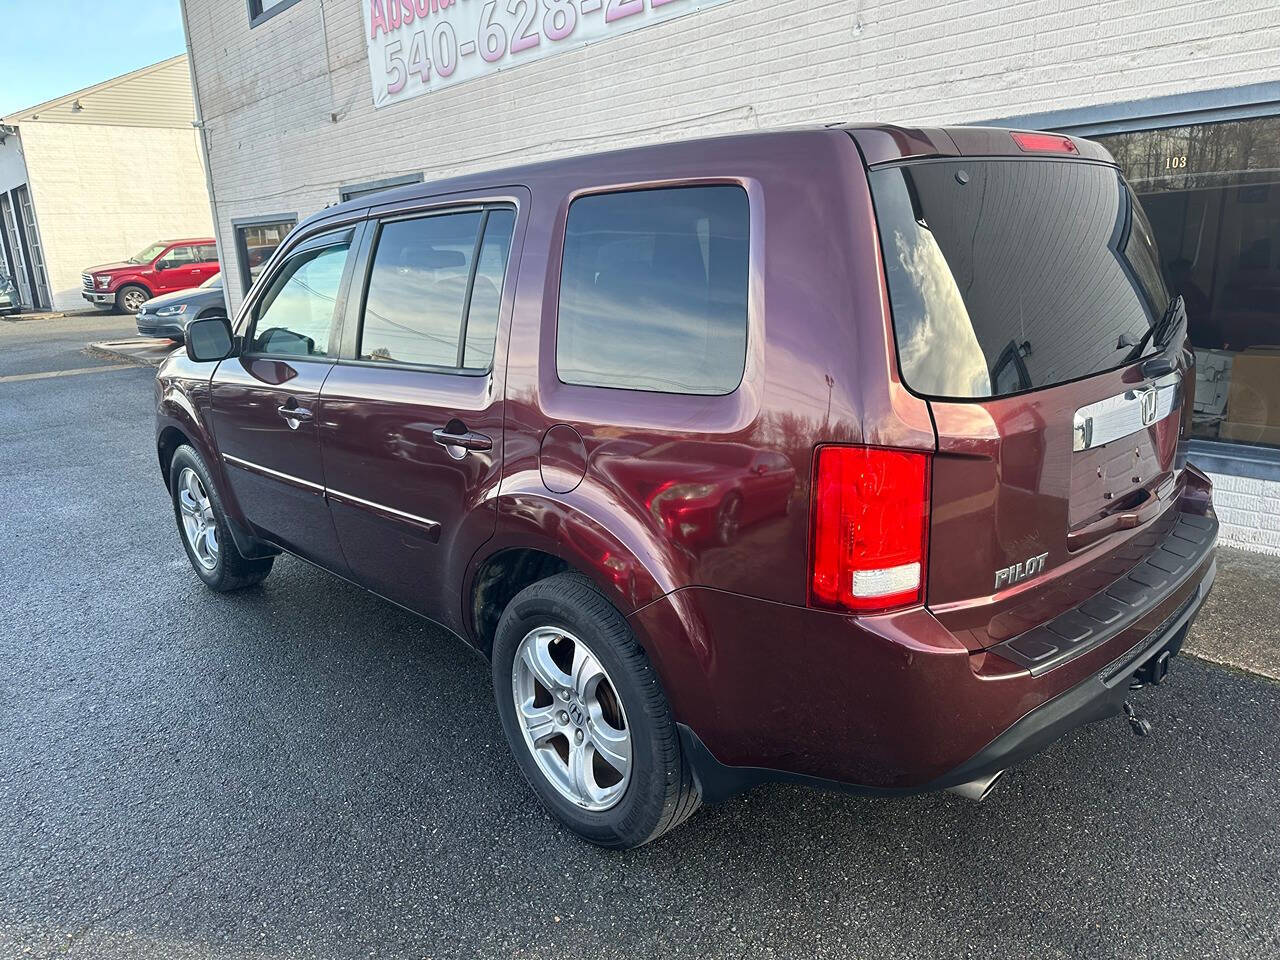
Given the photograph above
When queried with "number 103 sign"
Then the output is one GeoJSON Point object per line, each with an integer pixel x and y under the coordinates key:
{"type": "Point", "coordinates": [421, 45]}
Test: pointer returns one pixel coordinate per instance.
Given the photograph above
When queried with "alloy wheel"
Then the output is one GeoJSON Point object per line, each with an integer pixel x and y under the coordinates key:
{"type": "Point", "coordinates": [572, 718]}
{"type": "Point", "coordinates": [133, 300]}
{"type": "Point", "coordinates": [198, 523]}
{"type": "Point", "coordinates": [728, 520]}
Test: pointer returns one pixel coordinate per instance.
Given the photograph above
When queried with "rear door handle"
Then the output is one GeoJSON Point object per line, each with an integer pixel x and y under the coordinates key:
{"type": "Point", "coordinates": [467, 441]}
{"type": "Point", "coordinates": [294, 415]}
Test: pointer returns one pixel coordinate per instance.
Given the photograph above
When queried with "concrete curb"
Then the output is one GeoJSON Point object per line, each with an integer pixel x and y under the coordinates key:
{"type": "Point", "coordinates": [144, 351]}
{"type": "Point", "coordinates": [52, 315]}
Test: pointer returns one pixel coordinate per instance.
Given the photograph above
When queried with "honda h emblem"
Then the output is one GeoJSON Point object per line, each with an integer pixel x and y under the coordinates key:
{"type": "Point", "coordinates": [1148, 399]}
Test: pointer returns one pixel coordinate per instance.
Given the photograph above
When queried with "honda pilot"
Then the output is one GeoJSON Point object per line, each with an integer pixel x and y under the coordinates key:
{"type": "Point", "coordinates": [846, 457]}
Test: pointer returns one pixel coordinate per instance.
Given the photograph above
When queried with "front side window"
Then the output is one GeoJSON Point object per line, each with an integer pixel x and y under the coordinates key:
{"type": "Point", "coordinates": [653, 290]}
{"type": "Point", "coordinates": [180, 256]}
{"type": "Point", "coordinates": [434, 289]}
{"type": "Point", "coordinates": [295, 317]}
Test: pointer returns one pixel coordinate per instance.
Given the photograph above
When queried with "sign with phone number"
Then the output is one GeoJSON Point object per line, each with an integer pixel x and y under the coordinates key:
{"type": "Point", "coordinates": [421, 45]}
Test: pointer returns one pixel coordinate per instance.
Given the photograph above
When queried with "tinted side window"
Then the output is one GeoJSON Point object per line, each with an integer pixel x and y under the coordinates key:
{"type": "Point", "coordinates": [653, 290]}
{"type": "Point", "coordinates": [296, 314]}
{"type": "Point", "coordinates": [180, 256]}
{"type": "Point", "coordinates": [417, 289]}
{"type": "Point", "coordinates": [207, 253]}
{"type": "Point", "coordinates": [486, 292]}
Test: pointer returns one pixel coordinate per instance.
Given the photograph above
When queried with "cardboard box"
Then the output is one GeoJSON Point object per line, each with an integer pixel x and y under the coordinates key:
{"type": "Point", "coordinates": [1253, 399]}
{"type": "Point", "coordinates": [1249, 433]}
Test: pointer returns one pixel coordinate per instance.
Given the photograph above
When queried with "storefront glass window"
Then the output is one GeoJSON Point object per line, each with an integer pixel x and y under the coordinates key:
{"type": "Point", "coordinates": [1212, 193]}
{"type": "Point", "coordinates": [255, 243]}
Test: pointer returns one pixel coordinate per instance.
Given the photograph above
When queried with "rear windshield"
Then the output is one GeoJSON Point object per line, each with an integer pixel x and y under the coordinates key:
{"type": "Point", "coordinates": [1012, 275]}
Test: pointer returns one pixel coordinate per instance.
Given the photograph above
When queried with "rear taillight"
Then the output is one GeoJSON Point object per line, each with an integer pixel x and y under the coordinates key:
{"type": "Point", "coordinates": [870, 528]}
{"type": "Point", "coordinates": [1044, 143]}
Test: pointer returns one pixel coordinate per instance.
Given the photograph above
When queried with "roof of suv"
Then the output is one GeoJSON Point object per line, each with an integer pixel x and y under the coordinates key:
{"type": "Point", "coordinates": [879, 143]}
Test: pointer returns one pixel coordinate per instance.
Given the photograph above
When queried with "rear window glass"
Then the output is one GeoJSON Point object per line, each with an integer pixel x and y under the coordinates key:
{"type": "Point", "coordinates": [1012, 275]}
{"type": "Point", "coordinates": [653, 291]}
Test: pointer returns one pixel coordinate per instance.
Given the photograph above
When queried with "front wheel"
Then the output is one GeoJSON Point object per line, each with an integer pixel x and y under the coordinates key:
{"type": "Point", "coordinates": [130, 299]}
{"type": "Point", "coordinates": [729, 519]}
{"type": "Point", "coordinates": [585, 717]}
{"type": "Point", "coordinates": [203, 526]}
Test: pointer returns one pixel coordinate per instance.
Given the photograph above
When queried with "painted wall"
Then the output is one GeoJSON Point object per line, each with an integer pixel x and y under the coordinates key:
{"type": "Point", "coordinates": [289, 116]}
{"type": "Point", "coordinates": [1248, 511]}
{"type": "Point", "coordinates": [13, 167]}
{"type": "Point", "coordinates": [13, 173]}
{"type": "Point", "coordinates": [102, 193]}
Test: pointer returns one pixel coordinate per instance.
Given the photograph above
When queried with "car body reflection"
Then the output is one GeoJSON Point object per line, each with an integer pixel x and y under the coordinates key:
{"type": "Point", "coordinates": [722, 488]}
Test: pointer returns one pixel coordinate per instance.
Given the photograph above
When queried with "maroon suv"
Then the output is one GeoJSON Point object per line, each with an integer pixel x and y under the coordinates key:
{"type": "Point", "coordinates": [853, 457]}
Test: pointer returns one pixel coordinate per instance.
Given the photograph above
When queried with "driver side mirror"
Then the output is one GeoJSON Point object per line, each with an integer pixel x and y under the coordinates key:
{"type": "Point", "coordinates": [162, 265]}
{"type": "Point", "coordinates": [209, 339]}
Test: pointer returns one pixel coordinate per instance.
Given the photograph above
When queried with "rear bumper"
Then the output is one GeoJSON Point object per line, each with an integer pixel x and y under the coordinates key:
{"type": "Point", "coordinates": [893, 704]}
{"type": "Point", "coordinates": [1096, 698]}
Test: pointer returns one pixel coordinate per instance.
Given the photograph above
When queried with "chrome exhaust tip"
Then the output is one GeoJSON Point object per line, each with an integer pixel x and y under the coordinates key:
{"type": "Point", "coordinates": [978, 789]}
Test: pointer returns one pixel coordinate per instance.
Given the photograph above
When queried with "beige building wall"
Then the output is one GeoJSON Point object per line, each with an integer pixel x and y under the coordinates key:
{"type": "Point", "coordinates": [102, 193]}
{"type": "Point", "coordinates": [288, 111]}
{"type": "Point", "coordinates": [289, 116]}
{"type": "Point", "coordinates": [110, 168]}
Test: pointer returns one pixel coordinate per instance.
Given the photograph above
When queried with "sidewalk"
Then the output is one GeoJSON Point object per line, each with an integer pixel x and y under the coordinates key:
{"type": "Point", "coordinates": [30, 316]}
{"type": "Point", "coordinates": [1237, 626]}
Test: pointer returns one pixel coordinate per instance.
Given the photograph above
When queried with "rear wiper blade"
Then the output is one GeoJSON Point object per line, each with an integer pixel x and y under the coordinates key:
{"type": "Point", "coordinates": [1175, 315]}
{"type": "Point", "coordinates": [1163, 330]}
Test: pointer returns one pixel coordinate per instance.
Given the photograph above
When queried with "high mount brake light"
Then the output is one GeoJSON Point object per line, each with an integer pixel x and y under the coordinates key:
{"type": "Point", "coordinates": [1044, 143]}
{"type": "Point", "coordinates": [870, 531]}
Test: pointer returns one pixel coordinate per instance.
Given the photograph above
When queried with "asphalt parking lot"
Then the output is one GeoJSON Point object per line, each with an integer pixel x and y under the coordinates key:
{"type": "Point", "coordinates": [304, 771]}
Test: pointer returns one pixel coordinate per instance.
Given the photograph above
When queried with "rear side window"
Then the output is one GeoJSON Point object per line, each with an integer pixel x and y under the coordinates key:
{"type": "Point", "coordinates": [653, 290]}
{"type": "Point", "coordinates": [1011, 275]}
{"type": "Point", "coordinates": [435, 288]}
{"type": "Point", "coordinates": [486, 291]}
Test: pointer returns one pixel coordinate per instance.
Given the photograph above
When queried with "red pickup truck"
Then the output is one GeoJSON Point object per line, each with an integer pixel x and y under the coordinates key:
{"type": "Point", "coordinates": [160, 268]}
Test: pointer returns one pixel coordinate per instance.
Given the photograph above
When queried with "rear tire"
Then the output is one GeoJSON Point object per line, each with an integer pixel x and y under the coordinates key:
{"type": "Point", "coordinates": [202, 527]}
{"type": "Point", "coordinates": [659, 791]}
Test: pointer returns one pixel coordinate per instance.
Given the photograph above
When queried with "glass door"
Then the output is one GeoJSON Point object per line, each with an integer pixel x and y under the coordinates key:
{"type": "Point", "coordinates": [17, 263]}
{"type": "Point", "coordinates": [28, 218]}
{"type": "Point", "coordinates": [1212, 193]}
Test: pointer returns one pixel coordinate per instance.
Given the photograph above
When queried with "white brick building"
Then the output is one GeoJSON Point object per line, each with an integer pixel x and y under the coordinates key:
{"type": "Point", "coordinates": [286, 93]}
{"type": "Point", "coordinates": [96, 175]}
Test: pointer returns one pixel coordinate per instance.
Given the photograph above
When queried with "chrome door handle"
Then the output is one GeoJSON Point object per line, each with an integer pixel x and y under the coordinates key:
{"type": "Point", "coordinates": [467, 441]}
{"type": "Point", "coordinates": [294, 415]}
